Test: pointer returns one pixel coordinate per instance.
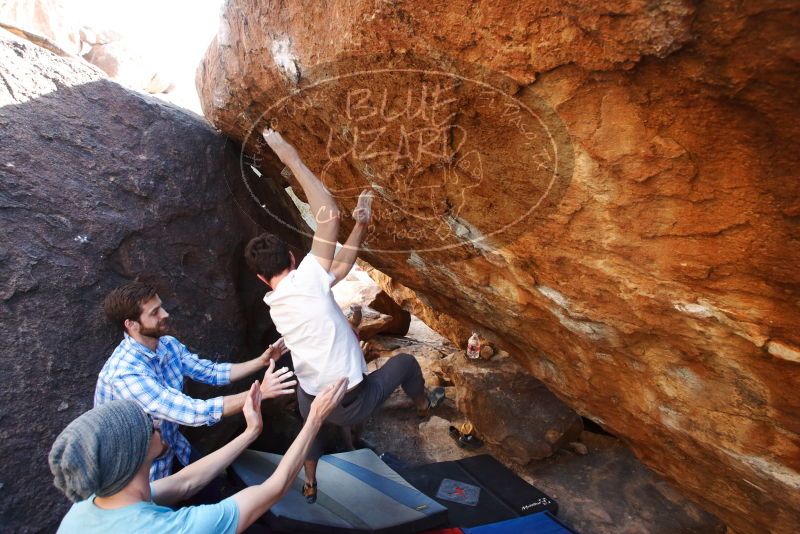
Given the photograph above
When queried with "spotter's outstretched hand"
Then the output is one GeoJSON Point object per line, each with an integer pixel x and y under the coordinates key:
{"type": "Point", "coordinates": [252, 409]}
{"type": "Point", "coordinates": [273, 352]}
{"type": "Point", "coordinates": [276, 383]}
{"type": "Point", "coordinates": [328, 400]}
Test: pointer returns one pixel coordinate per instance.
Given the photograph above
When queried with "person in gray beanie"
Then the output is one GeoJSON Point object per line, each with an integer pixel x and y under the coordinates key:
{"type": "Point", "coordinates": [100, 451]}
{"type": "Point", "coordinates": [102, 459]}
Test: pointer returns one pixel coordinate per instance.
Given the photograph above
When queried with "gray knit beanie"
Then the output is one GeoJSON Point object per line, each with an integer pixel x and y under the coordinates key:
{"type": "Point", "coordinates": [100, 451]}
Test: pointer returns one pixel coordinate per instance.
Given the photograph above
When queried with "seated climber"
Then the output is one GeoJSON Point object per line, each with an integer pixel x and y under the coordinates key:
{"type": "Point", "coordinates": [102, 459]}
{"type": "Point", "coordinates": [322, 343]}
{"type": "Point", "coordinates": [148, 367]}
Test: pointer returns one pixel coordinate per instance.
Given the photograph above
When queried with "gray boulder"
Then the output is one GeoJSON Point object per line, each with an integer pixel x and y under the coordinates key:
{"type": "Point", "coordinates": [99, 185]}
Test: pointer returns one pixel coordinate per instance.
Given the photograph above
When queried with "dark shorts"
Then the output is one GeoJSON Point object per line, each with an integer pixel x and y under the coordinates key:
{"type": "Point", "coordinates": [359, 403]}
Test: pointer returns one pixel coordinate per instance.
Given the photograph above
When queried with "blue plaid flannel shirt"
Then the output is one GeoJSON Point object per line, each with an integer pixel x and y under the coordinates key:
{"type": "Point", "coordinates": [155, 381]}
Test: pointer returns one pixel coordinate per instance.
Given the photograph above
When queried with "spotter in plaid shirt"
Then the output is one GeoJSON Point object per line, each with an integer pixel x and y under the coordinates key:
{"type": "Point", "coordinates": [155, 381]}
{"type": "Point", "coordinates": [148, 368]}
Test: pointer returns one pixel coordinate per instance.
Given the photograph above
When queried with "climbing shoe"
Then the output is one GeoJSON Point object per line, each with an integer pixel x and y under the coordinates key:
{"type": "Point", "coordinates": [465, 437]}
{"type": "Point", "coordinates": [310, 492]}
{"type": "Point", "coordinates": [435, 397]}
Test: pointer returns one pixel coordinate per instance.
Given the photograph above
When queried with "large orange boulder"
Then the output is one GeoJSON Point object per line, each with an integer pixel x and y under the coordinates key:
{"type": "Point", "coordinates": [607, 190]}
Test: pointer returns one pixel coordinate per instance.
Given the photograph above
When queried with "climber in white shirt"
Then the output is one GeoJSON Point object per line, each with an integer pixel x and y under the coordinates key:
{"type": "Point", "coordinates": [322, 343]}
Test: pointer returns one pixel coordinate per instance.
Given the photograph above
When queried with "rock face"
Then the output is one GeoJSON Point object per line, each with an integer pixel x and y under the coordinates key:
{"type": "Point", "coordinates": [607, 491]}
{"type": "Point", "coordinates": [621, 180]}
{"type": "Point", "coordinates": [99, 185]}
{"type": "Point", "coordinates": [362, 290]}
{"type": "Point", "coordinates": [509, 408]}
{"type": "Point", "coordinates": [455, 331]}
{"type": "Point", "coordinates": [115, 55]}
{"type": "Point", "coordinates": [50, 19]}
{"type": "Point", "coordinates": [372, 323]}
{"type": "Point", "coordinates": [54, 24]}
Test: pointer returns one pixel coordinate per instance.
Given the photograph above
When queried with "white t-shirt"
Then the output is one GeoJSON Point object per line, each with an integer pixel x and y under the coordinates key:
{"type": "Point", "coordinates": [323, 344]}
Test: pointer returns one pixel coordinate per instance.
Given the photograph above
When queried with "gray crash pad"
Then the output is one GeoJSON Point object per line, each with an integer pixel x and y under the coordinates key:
{"type": "Point", "coordinates": [356, 492]}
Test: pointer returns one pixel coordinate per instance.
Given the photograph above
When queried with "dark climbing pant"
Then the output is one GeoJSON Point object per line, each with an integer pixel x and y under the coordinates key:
{"type": "Point", "coordinates": [359, 403]}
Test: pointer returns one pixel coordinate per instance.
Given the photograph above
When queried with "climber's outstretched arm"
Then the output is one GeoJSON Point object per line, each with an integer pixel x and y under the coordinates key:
{"type": "Point", "coordinates": [323, 205]}
{"type": "Point", "coordinates": [347, 255]}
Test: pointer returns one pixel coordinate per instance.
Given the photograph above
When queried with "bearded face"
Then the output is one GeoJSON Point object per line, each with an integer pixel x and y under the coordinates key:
{"type": "Point", "coordinates": [154, 320]}
{"type": "Point", "coordinates": [160, 329]}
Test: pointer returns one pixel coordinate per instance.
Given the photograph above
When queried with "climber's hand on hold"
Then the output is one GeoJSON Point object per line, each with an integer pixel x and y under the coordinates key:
{"type": "Point", "coordinates": [286, 152]}
{"type": "Point", "coordinates": [362, 214]}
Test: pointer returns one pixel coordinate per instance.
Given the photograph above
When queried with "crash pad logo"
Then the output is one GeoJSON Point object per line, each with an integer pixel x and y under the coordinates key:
{"type": "Point", "coordinates": [460, 157]}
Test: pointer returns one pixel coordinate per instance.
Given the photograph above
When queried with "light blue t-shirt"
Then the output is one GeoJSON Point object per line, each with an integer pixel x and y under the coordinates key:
{"type": "Point", "coordinates": [86, 518]}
